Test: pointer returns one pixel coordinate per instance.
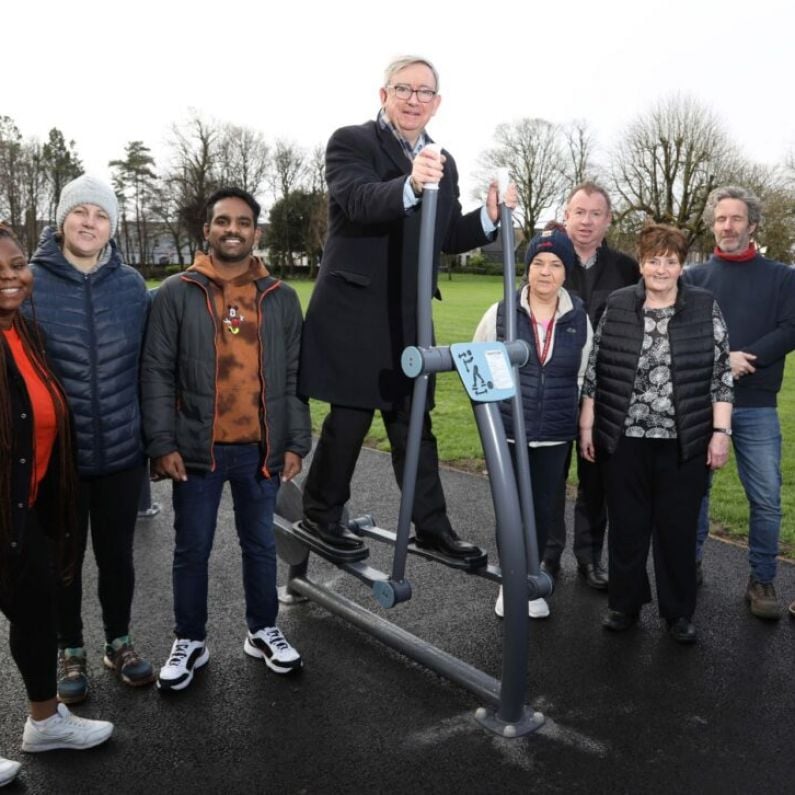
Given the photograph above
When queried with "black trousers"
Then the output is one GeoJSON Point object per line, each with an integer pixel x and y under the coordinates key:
{"type": "Point", "coordinates": [327, 486]}
{"type": "Point", "coordinates": [29, 605]}
{"type": "Point", "coordinates": [548, 468]}
{"type": "Point", "coordinates": [590, 512]}
{"type": "Point", "coordinates": [109, 505]}
{"type": "Point", "coordinates": [652, 495]}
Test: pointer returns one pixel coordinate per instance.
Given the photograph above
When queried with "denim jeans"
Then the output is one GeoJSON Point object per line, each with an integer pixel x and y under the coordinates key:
{"type": "Point", "coordinates": [756, 438]}
{"type": "Point", "coordinates": [196, 502]}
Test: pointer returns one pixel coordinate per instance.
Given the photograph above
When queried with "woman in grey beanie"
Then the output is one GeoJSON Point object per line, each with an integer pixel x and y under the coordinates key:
{"type": "Point", "coordinates": [93, 310]}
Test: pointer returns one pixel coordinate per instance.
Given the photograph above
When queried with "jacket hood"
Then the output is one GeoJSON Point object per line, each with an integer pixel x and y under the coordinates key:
{"type": "Point", "coordinates": [49, 255]}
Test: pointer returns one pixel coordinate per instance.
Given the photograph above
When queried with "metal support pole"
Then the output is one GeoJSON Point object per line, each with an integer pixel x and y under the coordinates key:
{"type": "Point", "coordinates": [430, 198]}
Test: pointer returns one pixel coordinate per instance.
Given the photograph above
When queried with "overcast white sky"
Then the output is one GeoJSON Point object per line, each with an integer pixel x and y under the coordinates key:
{"type": "Point", "coordinates": [109, 73]}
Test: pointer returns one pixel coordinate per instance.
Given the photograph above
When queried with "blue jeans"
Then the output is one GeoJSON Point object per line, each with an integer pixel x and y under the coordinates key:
{"type": "Point", "coordinates": [196, 502]}
{"type": "Point", "coordinates": [757, 446]}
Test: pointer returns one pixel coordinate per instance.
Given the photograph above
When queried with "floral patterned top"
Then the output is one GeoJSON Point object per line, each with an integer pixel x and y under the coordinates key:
{"type": "Point", "coordinates": [651, 411]}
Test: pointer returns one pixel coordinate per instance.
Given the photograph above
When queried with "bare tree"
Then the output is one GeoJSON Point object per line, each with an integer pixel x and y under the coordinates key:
{"type": "Point", "coordinates": [531, 151]}
{"type": "Point", "coordinates": [578, 153]}
{"type": "Point", "coordinates": [165, 207]}
{"type": "Point", "coordinates": [194, 172]}
{"type": "Point", "coordinates": [244, 158]}
{"type": "Point", "coordinates": [11, 171]}
{"type": "Point", "coordinates": [289, 167]}
{"type": "Point", "coordinates": [668, 161]}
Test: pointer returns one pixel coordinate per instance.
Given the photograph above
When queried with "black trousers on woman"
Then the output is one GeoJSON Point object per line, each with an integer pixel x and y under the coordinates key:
{"type": "Point", "coordinates": [109, 504]}
{"type": "Point", "coordinates": [653, 496]}
{"type": "Point", "coordinates": [29, 605]}
{"type": "Point", "coordinates": [548, 470]}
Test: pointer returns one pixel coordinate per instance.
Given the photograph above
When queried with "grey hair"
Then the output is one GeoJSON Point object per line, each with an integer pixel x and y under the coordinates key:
{"type": "Point", "coordinates": [399, 64]}
{"type": "Point", "coordinates": [733, 192]}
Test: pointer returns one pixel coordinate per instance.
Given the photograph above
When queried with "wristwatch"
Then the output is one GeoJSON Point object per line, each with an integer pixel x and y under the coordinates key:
{"type": "Point", "coordinates": [727, 431]}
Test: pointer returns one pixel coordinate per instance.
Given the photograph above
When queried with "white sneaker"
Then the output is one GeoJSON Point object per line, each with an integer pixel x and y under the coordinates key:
{"type": "Point", "coordinates": [186, 657]}
{"type": "Point", "coordinates": [536, 608]}
{"type": "Point", "coordinates": [270, 645]}
{"type": "Point", "coordinates": [8, 771]}
{"type": "Point", "coordinates": [64, 730]}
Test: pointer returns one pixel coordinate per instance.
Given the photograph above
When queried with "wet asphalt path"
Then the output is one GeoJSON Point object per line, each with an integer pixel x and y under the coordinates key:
{"type": "Point", "coordinates": [625, 714]}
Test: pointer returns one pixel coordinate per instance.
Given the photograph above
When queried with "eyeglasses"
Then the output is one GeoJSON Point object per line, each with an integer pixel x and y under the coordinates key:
{"type": "Point", "coordinates": [402, 91]}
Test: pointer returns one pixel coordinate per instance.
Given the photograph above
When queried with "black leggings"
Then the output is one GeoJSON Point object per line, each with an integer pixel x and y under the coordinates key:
{"type": "Point", "coordinates": [110, 503]}
{"type": "Point", "coordinates": [30, 609]}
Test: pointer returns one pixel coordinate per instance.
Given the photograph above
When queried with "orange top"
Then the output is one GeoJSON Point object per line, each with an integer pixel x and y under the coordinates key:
{"type": "Point", "coordinates": [45, 422]}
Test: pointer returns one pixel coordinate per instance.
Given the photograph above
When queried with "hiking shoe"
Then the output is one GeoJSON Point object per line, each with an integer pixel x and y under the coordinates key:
{"type": "Point", "coordinates": [270, 645]}
{"type": "Point", "coordinates": [72, 678]}
{"type": "Point", "coordinates": [121, 658]}
{"type": "Point", "coordinates": [762, 599]}
{"type": "Point", "coordinates": [536, 608]}
{"type": "Point", "coordinates": [8, 771]}
{"type": "Point", "coordinates": [64, 730]}
{"type": "Point", "coordinates": [150, 512]}
{"type": "Point", "coordinates": [186, 657]}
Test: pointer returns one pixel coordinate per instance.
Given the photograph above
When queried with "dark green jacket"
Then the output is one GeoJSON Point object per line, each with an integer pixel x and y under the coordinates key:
{"type": "Point", "coordinates": [179, 369]}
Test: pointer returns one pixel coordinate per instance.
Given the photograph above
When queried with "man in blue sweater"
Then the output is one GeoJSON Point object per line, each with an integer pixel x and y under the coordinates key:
{"type": "Point", "coordinates": [757, 298]}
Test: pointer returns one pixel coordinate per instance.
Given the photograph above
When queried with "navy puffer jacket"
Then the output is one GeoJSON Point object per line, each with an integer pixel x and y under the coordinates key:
{"type": "Point", "coordinates": [94, 326]}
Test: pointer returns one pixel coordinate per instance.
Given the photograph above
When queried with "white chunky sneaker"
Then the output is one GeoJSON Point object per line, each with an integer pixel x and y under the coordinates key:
{"type": "Point", "coordinates": [64, 730]}
{"type": "Point", "coordinates": [536, 608]}
{"type": "Point", "coordinates": [8, 771]}
{"type": "Point", "coordinates": [186, 657]}
{"type": "Point", "coordinates": [270, 645]}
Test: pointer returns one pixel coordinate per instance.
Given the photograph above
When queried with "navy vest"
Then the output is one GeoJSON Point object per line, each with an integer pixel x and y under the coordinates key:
{"type": "Point", "coordinates": [550, 395]}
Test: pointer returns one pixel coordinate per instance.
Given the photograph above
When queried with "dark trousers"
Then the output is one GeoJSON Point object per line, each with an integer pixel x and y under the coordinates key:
{"type": "Point", "coordinates": [109, 505]}
{"type": "Point", "coordinates": [548, 468]}
{"type": "Point", "coordinates": [29, 605]}
{"type": "Point", "coordinates": [327, 486]}
{"type": "Point", "coordinates": [652, 495]}
{"type": "Point", "coordinates": [196, 503]}
{"type": "Point", "coordinates": [590, 512]}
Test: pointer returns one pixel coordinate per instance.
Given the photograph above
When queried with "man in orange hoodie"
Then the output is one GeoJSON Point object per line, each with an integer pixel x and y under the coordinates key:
{"type": "Point", "coordinates": [218, 382]}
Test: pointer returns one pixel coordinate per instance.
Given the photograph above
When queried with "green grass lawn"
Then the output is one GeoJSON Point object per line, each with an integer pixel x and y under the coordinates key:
{"type": "Point", "coordinates": [455, 318]}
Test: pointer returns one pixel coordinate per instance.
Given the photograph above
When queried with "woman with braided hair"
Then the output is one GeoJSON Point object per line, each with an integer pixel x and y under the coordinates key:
{"type": "Point", "coordinates": [37, 513]}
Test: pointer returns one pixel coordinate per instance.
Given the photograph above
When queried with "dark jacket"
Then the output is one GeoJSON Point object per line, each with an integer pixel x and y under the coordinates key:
{"type": "Point", "coordinates": [45, 512]}
{"type": "Point", "coordinates": [179, 371]}
{"type": "Point", "coordinates": [757, 299]}
{"type": "Point", "coordinates": [550, 394]}
{"type": "Point", "coordinates": [692, 339]}
{"type": "Point", "coordinates": [363, 310]}
{"type": "Point", "coordinates": [611, 271]}
{"type": "Point", "coordinates": [94, 326]}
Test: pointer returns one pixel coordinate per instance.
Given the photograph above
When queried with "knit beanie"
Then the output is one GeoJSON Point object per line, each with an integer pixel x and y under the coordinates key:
{"type": "Point", "coordinates": [552, 241]}
{"type": "Point", "coordinates": [88, 190]}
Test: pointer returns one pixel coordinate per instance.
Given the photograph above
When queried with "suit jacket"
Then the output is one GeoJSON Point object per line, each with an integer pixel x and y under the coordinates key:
{"type": "Point", "coordinates": [363, 310]}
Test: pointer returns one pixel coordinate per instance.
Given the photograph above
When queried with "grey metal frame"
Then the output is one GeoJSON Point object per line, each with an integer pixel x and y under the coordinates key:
{"type": "Point", "coordinates": [506, 713]}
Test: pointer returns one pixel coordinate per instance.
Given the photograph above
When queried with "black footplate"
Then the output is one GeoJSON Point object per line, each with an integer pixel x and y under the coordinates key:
{"type": "Point", "coordinates": [327, 551]}
{"type": "Point", "coordinates": [474, 563]}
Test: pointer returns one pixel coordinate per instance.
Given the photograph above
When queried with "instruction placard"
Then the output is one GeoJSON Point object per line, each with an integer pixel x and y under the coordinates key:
{"type": "Point", "coordinates": [485, 370]}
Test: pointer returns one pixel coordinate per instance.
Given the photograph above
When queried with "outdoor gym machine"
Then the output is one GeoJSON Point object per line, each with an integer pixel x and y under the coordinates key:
{"type": "Point", "coordinates": [489, 373]}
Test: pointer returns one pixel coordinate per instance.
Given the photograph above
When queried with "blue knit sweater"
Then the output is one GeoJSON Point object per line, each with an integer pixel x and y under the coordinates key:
{"type": "Point", "coordinates": [757, 299]}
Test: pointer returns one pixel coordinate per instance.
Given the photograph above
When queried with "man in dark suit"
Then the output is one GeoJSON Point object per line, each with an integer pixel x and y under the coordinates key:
{"type": "Point", "coordinates": [598, 271]}
{"type": "Point", "coordinates": [363, 310]}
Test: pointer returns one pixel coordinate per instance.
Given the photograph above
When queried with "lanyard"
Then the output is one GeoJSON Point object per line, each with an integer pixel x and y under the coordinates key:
{"type": "Point", "coordinates": [543, 351]}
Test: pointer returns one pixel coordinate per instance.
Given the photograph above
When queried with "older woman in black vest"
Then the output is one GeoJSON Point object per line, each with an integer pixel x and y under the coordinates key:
{"type": "Point", "coordinates": [555, 325]}
{"type": "Point", "coordinates": [656, 408]}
